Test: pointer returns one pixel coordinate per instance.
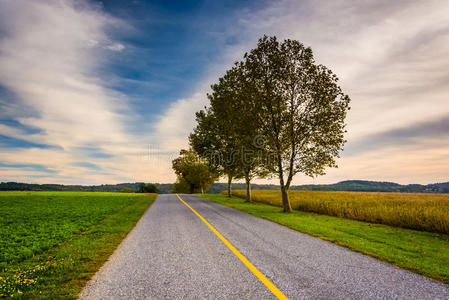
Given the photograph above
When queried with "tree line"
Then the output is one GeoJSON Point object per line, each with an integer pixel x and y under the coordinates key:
{"type": "Point", "coordinates": [349, 185]}
{"type": "Point", "coordinates": [136, 187]}
{"type": "Point", "coordinates": [275, 113]}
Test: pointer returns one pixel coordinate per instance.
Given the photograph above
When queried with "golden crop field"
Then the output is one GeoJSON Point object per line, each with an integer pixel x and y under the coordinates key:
{"type": "Point", "coordinates": [428, 212]}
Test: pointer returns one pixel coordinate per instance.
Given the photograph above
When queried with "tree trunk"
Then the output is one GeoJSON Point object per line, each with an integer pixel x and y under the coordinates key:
{"type": "Point", "coordinates": [192, 188]}
{"type": "Point", "coordinates": [284, 188]}
{"type": "Point", "coordinates": [229, 186]}
{"type": "Point", "coordinates": [285, 201]}
{"type": "Point", "coordinates": [248, 189]}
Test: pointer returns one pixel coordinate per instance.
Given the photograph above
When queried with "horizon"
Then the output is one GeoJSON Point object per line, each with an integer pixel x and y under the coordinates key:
{"type": "Point", "coordinates": [239, 181]}
{"type": "Point", "coordinates": [105, 92]}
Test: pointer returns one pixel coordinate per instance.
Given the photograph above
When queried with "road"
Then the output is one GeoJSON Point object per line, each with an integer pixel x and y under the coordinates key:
{"type": "Point", "coordinates": [173, 254]}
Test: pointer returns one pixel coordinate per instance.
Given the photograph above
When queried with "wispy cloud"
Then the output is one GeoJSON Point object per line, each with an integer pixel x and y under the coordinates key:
{"type": "Point", "coordinates": [391, 58]}
{"type": "Point", "coordinates": [116, 47]}
{"type": "Point", "coordinates": [50, 61]}
{"type": "Point", "coordinates": [417, 134]}
{"type": "Point", "coordinates": [59, 111]}
{"type": "Point", "coordinates": [30, 167]}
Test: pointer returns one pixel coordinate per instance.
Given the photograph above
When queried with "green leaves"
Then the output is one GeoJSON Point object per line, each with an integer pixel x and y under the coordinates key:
{"type": "Point", "coordinates": [194, 173]}
{"type": "Point", "coordinates": [299, 106]}
{"type": "Point", "coordinates": [278, 92]}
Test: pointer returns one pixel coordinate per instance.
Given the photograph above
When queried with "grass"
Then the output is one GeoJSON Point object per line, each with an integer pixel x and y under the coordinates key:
{"type": "Point", "coordinates": [425, 253]}
{"type": "Point", "coordinates": [53, 242]}
{"type": "Point", "coordinates": [427, 212]}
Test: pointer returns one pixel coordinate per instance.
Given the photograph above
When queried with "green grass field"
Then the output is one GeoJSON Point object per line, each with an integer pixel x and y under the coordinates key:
{"type": "Point", "coordinates": [53, 242]}
{"type": "Point", "coordinates": [422, 252]}
{"type": "Point", "coordinates": [427, 212]}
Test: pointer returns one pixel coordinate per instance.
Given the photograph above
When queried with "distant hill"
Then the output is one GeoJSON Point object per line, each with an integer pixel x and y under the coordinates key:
{"type": "Point", "coordinates": [377, 186]}
{"type": "Point", "coordinates": [348, 185]}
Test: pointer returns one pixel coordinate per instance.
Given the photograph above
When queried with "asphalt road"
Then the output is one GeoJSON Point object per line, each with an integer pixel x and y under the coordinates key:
{"type": "Point", "coordinates": [173, 254]}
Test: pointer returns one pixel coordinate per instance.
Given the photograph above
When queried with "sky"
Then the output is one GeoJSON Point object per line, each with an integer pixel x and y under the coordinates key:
{"type": "Point", "coordinates": [96, 92]}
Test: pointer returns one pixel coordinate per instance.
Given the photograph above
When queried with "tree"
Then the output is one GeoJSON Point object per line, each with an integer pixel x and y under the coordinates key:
{"type": "Point", "coordinates": [147, 188]}
{"type": "Point", "coordinates": [226, 131]}
{"type": "Point", "coordinates": [151, 188]}
{"type": "Point", "coordinates": [141, 187]}
{"type": "Point", "coordinates": [229, 103]}
{"type": "Point", "coordinates": [213, 141]}
{"type": "Point", "coordinates": [181, 186]}
{"type": "Point", "coordinates": [299, 107]}
{"type": "Point", "coordinates": [195, 171]}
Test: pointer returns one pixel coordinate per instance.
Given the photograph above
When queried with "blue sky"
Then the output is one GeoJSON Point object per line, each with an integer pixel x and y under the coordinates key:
{"type": "Point", "coordinates": [173, 43]}
{"type": "Point", "coordinates": [103, 92]}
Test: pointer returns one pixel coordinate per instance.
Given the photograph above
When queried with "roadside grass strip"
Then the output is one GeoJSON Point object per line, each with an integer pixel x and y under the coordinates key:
{"type": "Point", "coordinates": [425, 253]}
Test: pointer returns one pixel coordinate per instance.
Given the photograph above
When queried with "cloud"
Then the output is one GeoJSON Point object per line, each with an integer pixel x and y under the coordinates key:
{"type": "Point", "coordinates": [32, 167]}
{"type": "Point", "coordinates": [50, 68]}
{"type": "Point", "coordinates": [391, 57]}
{"type": "Point", "coordinates": [60, 111]}
{"type": "Point", "coordinates": [116, 47]}
{"type": "Point", "coordinates": [87, 165]}
{"type": "Point", "coordinates": [416, 134]}
{"type": "Point", "coordinates": [174, 125]}
{"type": "Point", "coordinates": [9, 142]}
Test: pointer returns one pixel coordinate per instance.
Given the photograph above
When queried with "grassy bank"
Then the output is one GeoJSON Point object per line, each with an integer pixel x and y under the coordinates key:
{"type": "Point", "coordinates": [428, 212]}
{"type": "Point", "coordinates": [422, 252]}
{"type": "Point", "coordinates": [53, 242]}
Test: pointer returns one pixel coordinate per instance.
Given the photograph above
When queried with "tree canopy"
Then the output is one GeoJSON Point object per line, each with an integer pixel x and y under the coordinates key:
{"type": "Point", "coordinates": [299, 106]}
{"type": "Point", "coordinates": [147, 188]}
{"type": "Point", "coordinates": [193, 172]}
{"type": "Point", "coordinates": [225, 133]}
{"type": "Point", "coordinates": [275, 113]}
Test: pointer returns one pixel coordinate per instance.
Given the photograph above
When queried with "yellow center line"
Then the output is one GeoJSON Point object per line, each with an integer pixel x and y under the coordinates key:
{"type": "Point", "coordinates": [249, 265]}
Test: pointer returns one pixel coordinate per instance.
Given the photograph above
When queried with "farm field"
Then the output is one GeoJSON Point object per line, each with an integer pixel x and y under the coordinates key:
{"type": "Point", "coordinates": [58, 240]}
{"type": "Point", "coordinates": [427, 212]}
{"type": "Point", "coordinates": [425, 253]}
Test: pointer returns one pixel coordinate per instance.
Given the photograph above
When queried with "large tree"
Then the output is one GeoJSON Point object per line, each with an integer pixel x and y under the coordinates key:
{"type": "Point", "coordinates": [299, 107]}
{"type": "Point", "coordinates": [242, 123]}
{"type": "Point", "coordinates": [193, 171]}
{"type": "Point", "coordinates": [213, 140]}
{"type": "Point", "coordinates": [226, 131]}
